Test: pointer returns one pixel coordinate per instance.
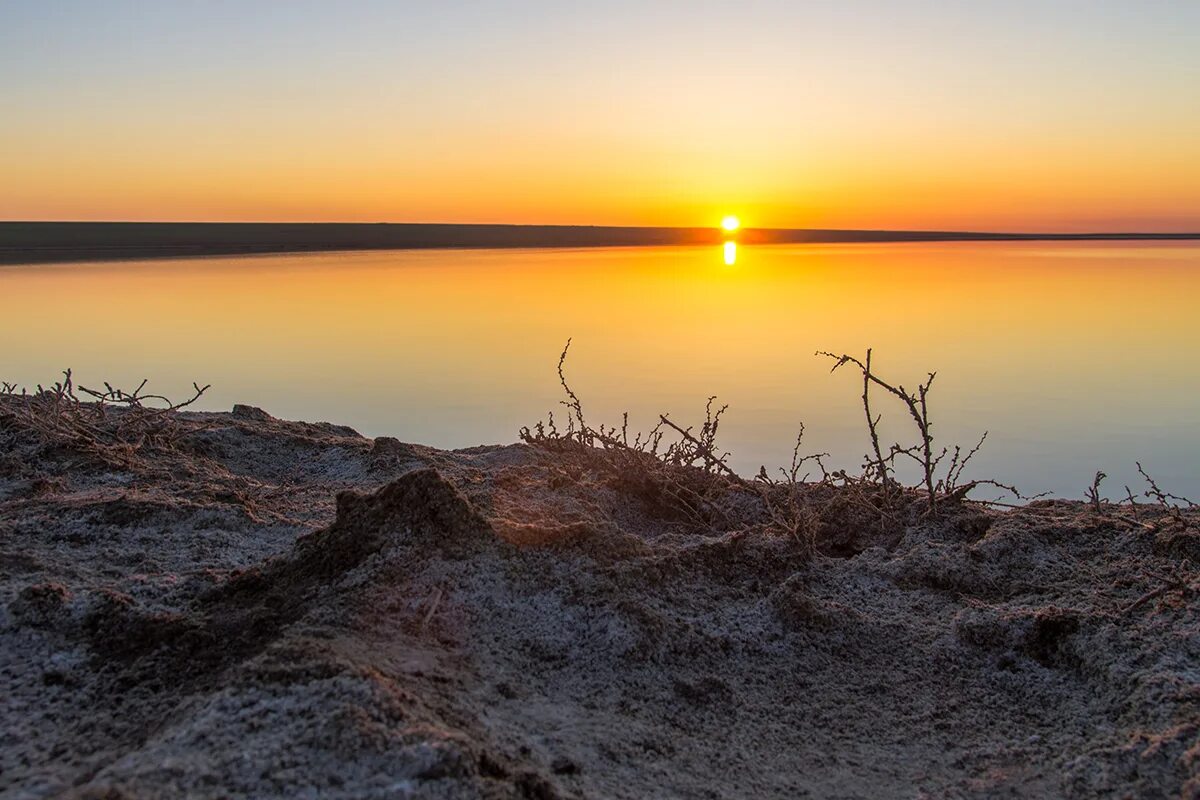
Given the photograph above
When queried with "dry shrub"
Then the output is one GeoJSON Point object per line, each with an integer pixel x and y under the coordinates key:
{"type": "Point", "coordinates": [1172, 504]}
{"type": "Point", "coordinates": [790, 512]}
{"type": "Point", "coordinates": [114, 425]}
{"type": "Point", "coordinates": [941, 478]}
{"type": "Point", "coordinates": [1167, 511]}
{"type": "Point", "coordinates": [680, 472]}
{"type": "Point", "coordinates": [685, 479]}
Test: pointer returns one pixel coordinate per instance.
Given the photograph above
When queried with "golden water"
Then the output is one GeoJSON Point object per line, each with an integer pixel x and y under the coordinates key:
{"type": "Point", "coordinates": [1076, 357]}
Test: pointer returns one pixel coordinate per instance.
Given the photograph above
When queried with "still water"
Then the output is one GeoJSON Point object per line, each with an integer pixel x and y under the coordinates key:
{"type": "Point", "coordinates": [1076, 357]}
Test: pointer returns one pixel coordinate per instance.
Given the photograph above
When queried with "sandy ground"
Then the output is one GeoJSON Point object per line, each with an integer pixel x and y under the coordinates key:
{"type": "Point", "coordinates": [281, 609]}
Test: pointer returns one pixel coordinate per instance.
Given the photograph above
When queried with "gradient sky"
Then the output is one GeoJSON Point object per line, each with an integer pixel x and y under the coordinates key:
{"type": "Point", "coordinates": [1009, 115]}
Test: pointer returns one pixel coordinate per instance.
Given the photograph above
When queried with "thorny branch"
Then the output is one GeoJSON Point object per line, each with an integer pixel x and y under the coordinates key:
{"type": "Point", "coordinates": [113, 425]}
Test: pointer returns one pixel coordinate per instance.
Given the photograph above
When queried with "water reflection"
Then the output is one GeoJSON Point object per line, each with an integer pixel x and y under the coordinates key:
{"type": "Point", "coordinates": [730, 253]}
{"type": "Point", "coordinates": [1075, 357]}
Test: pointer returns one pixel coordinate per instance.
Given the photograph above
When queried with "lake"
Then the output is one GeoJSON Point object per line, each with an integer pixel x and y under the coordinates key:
{"type": "Point", "coordinates": [1074, 356]}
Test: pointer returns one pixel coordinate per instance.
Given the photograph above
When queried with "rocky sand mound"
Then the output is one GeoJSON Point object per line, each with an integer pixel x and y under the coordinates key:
{"type": "Point", "coordinates": [279, 609]}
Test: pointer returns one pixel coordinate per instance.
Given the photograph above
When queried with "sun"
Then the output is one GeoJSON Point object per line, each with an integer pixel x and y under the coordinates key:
{"type": "Point", "coordinates": [730, 223]}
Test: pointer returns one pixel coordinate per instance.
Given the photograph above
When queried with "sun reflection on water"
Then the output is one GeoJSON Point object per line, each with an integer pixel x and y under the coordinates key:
{"type": "Point", "coordinates": [730, 249]}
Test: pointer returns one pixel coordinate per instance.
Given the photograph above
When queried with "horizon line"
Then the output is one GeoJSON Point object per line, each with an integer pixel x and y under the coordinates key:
{"type": "Point", "coordinates": [48, 241]}
{"type": "Point", "coordinates": [603, 226]}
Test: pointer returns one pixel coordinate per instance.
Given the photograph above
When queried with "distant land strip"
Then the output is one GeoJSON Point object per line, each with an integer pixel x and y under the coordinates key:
{"type": "Point", "coordinates": [45, 242]}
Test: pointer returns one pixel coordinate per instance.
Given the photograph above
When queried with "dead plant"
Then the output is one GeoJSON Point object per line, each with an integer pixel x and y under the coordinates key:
{"type": "Point", "coordinates": [1093, 493]}
{"type": "Point", "coordinates": [1172, 504]}
{"type": "Point", "coordinates": [879, 466]}
{"type": "Point", "coordinates": [113, 425]}
{"type": "Point", "coordinates": [683, 470]}
{"type": "Point", "coordinates": [684, 478]}
{"type": "Point", "coordinates": [789, 513]}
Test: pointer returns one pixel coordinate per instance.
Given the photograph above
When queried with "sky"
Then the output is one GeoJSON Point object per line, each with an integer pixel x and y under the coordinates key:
{"type": "Point", "coordinates": [970, 115]}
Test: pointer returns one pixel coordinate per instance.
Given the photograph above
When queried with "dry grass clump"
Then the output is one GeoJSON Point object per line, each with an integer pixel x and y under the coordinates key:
{"type": "Point", "coordinates": [1173, 522]}
{"type": "Point", "coordinates": [687, 478]}
{"type": "Point", "coordinates": [113, 425]}
{"type": "Point", "coordinates": [682, 472]}
{"type": "Point", "coordinates": [1169, 509]}
{"type": "Point", "coordinates": [789, 511]}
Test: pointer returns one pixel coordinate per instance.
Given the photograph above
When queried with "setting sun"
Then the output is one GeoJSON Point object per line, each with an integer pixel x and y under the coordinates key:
{"type": "Point", "coordinates": [730, 223]}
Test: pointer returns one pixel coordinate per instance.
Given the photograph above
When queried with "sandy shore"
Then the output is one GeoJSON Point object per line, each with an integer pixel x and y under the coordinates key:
{"type": "Point", "coordinates": [281, 609]}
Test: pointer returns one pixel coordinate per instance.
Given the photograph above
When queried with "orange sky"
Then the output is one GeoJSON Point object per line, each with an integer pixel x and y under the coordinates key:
{"type": "Point", "coordinates": [1015, 116]}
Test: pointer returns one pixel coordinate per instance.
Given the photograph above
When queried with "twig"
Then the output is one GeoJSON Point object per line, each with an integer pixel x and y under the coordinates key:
{"type": "Point", "coordinates": [433, 607]}
{"type": "Point", "coordinates": [702, 451]}
{"type": "Point", "coordinates": [1093, 492]}
{"type": "Point", "coordinates": [1172, 586]}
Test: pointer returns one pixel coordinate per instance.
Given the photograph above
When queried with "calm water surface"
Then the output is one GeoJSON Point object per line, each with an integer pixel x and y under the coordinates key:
{"type": "Point", "coordinates": [1075, 357]}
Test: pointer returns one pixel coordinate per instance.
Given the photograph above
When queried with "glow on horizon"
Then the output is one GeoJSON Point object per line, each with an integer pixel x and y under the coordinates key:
{"type": "Point", "coordinates": [730, 223]}
{"type": "Point", "coordinates": [909, 114]}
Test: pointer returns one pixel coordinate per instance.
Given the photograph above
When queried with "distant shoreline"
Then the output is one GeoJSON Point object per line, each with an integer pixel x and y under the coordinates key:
{"type": "Point", "coordinates": [48, 242]}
